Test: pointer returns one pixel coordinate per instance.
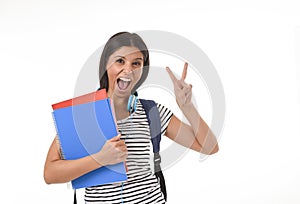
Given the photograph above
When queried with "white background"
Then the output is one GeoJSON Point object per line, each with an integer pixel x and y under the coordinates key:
{"type": "Point", "coordinates": [254, 46]}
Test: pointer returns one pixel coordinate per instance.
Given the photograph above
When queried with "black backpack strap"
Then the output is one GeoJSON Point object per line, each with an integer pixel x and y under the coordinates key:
{"type": "Point", "coordinates": [153, 117]}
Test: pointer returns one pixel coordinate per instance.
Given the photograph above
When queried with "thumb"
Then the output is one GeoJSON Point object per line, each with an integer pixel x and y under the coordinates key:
{"type": "Point", "coordinates": [116, 138]}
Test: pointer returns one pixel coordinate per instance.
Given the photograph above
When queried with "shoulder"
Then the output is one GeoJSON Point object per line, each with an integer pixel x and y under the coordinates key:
{"type": "Point", "coordinates": [149, 102]}
{"type": "Point", "coordinates": [163, 111]}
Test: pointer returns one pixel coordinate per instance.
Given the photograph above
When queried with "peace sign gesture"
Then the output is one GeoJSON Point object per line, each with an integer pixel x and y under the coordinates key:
{"type": "Point", "coordinates": [183, 91]}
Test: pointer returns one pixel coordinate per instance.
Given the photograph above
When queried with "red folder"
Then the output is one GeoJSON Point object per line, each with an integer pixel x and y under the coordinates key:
{"type": "Point", "coordinates": [90, 97]}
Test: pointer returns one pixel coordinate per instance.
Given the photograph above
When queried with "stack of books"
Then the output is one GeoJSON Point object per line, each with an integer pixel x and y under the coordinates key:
{"type": "Point", "coordinates": [83, 125]}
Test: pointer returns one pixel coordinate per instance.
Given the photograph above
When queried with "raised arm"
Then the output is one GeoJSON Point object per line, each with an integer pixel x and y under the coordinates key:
{"type": "Point", "coordinates": [197, 135]}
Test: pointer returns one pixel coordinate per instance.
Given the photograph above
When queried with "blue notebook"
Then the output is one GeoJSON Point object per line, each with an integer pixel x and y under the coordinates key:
{"type": "Point", "coordinates": [83, 130]}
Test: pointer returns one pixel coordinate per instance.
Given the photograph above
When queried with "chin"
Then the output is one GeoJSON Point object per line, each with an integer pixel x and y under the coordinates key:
{"type": "Point", "coordinates": [122, 93]}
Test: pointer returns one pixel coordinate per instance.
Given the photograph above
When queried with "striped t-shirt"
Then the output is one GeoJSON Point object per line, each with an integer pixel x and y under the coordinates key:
{"type": "Point", "coordinates": [142, 185]}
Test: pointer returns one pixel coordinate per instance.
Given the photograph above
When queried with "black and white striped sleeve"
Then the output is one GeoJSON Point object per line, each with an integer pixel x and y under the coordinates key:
{"type": "Point", "coordinates": [165, 116]}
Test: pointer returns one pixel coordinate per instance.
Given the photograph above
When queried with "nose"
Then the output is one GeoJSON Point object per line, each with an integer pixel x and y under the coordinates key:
{"type": "Point", "coordinates": [127, 67]}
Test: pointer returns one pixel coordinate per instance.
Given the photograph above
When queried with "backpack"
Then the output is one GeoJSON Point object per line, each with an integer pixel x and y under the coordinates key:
{"type": "Point", "coordinates": [153, 118]}
{"type": "Point", "coordinates": [155, 131]}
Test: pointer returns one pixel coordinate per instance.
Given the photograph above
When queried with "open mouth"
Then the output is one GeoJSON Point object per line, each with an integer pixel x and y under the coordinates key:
{"type": "Point", "coordinates": [123, 83]}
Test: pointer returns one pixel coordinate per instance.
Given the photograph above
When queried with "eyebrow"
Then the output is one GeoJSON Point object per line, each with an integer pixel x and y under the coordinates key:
{"type": "Point", "coordinates": [119, 56]}
{"type": "Point", "coordinates": [125, 57]}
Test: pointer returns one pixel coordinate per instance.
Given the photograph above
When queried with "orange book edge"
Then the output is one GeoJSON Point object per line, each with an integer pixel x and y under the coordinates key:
{"type": "Point", "coordinates": [90, 97]}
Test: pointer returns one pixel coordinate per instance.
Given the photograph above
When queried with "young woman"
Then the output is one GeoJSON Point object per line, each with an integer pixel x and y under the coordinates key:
{"type": "Point", "coordinates": [124, 66]}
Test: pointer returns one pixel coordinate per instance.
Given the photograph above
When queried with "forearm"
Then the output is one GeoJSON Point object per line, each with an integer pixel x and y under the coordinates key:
{"type": "Point", "coordinates": [61, 171]}
{"type": "Point", "coordinates": [202, 132]}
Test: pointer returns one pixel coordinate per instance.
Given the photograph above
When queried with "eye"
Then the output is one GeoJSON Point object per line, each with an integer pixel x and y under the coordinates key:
{"type": "Point", "coordinates": [137, 64]}
{"type": "Point", "coordinates": [120, 60]}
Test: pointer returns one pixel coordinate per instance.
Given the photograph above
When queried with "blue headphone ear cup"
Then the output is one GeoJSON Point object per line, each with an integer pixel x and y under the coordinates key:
{"type": "Point", "coordinates": [129, 103]}
{"type": "Point", "coordinates": [132, 101]}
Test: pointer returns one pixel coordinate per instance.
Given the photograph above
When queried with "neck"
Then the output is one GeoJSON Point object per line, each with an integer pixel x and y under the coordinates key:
{"type": "Point", "coordinates": [120, 106]}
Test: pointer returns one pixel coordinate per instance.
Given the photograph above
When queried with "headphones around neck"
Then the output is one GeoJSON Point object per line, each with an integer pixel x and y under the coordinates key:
{"type": "Point", "coordinates": [132, 101]}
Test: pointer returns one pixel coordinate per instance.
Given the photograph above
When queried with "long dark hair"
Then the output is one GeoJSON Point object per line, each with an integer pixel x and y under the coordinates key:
{"type": "Point", "coordinates": [114, 43]}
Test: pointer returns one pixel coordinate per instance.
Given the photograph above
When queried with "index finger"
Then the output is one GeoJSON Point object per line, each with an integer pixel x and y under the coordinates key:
{"type": "Point", "coordinates": [172, 76]}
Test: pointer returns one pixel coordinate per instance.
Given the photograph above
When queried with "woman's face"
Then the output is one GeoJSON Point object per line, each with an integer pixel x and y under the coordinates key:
{"type": "Point", "coordinates": [124, 70]}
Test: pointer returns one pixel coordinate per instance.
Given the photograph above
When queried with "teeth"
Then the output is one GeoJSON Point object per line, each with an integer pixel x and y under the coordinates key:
{"type": "Point", "coordinates": [125, 79]}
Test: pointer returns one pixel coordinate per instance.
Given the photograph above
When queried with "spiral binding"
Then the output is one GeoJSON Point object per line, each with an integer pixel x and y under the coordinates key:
{"type": "Point", "coordinates": [61, 153]}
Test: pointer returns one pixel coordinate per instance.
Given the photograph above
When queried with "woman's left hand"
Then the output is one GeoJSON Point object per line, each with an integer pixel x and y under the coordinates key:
{"type": "Point", "coordinates": [183, 91]}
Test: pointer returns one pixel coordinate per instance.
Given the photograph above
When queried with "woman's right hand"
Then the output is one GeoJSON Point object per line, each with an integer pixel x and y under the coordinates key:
{"type": "Point", "coordinates": [113, 151]}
